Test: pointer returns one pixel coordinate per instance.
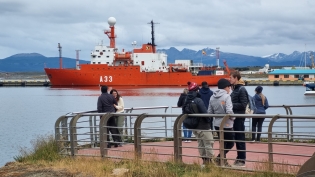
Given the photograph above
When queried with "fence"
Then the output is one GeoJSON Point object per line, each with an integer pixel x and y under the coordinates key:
{"type": "Point", "coordinates": [146, 137]}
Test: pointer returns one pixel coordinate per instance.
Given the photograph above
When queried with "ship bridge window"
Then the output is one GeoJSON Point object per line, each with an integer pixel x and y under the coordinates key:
{"type": "Point", "coordinates": [99, 56]}
{"type": "Point", "coordinates": [107, 62]}
{"type": "Point", "coordinates": [107, 56]}
{"type": "Point", "coordinates": [93, 62]}
{"type": "Point", "coordinates": [99, 62]}
{"type": "Point", "coordinates": [104, 50]}
{"type": "Point", "coordinates": [93, 56]}
{"type": "Point", "coordinates": [97, 50]}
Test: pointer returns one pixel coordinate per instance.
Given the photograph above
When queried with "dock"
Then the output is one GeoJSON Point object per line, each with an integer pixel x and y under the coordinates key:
{"type": "Point", "coordinates": [24, 83]}
{"type": "Point", "coordinates": [275, 83]}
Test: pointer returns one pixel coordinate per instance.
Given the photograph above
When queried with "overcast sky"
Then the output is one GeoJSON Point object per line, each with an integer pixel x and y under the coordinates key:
{"type": "Point", "coordinates": [251, 27]}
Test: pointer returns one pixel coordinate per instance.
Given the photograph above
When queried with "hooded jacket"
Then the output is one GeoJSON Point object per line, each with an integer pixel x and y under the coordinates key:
{"type": "Point", "coordinates": [205, 94]}
{"type": "Point", "coordinates": [205, 122]}
{"type": "Point", "coordinates": [181, 100]}
{"type": "Point", "coordinates": [239, 99]}
{"type": "Point", "coordinates": [220, 103]}
{"type": "Point", "coordinates": [261, 109]}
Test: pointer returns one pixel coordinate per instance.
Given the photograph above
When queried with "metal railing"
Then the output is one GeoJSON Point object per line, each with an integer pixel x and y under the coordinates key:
{"type": "Point", "coordinates": [86, 135]}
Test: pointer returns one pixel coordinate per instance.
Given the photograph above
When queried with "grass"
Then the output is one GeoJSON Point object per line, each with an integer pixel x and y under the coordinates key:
{"type": "Point", "coordinates": [44, 154]}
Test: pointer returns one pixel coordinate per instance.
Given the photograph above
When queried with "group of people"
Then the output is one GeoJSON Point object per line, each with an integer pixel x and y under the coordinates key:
{"type": "Point", "coordinates": [112, 102]}
{"type": "Point", "coordinates": [230, 98]}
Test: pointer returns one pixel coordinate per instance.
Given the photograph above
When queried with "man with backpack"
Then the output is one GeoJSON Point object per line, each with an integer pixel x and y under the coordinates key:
{"type": "Point", "coordinates": [205, 94]}
{"type": "Point", "coordinates": [239, 98]}
{"type": "Point", "coordinates": [200, 125]}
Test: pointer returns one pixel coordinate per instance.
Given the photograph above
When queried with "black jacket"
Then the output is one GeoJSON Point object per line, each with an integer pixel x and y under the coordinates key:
{"type": "Point", "coordinates": [205, 94]}
{"type": "Point", "coordinates": [205, 123]}
{"type": "Point", "coordinates": [239, 99]}
{"type": "Point", "coordinates": [105, 103]}
{"type": "Point", "coordinates": [181, 100]}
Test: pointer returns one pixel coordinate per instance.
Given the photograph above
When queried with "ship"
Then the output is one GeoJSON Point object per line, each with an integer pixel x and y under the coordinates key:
{"type": "Point", "coordinates": [143, 66]}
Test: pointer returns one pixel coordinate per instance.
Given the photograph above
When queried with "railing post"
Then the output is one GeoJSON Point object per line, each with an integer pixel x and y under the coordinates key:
{"type": "Point", "coordinates": [270, 148]}
{"type": "Point", "coordinates": [103, 134]}
{"type": "Point", "coordinates": [288, 123]}
{"type": "Point", "coordinates": [177, 131]}
{"type": "Point", "coordinates": [221, 140]}
{"type": "Point", "coordinates": [165, 120]}
{"type": "Point", "coordinates": [91, 132]}
{"type": "Point", "coordinates": [137, 135]}
{"type": "Point", "coordinates": [61, 125]}
{"type": "Point", "coordinates": [73, 134]}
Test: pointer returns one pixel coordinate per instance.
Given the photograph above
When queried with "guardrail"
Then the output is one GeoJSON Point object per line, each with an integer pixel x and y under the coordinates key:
{"type": "Point", "coordinates": [86, 135]}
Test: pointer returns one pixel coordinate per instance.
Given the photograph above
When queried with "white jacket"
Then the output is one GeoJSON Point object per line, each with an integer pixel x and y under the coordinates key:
{"type": "Point", "coordinates": [120, 107]}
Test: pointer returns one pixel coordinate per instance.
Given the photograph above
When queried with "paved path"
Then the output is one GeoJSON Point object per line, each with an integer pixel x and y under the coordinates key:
{"type": "Point", "coordinates": [163, 151]}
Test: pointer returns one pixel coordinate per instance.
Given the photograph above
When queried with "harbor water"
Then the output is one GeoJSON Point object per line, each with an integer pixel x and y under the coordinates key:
{"type": "Point", "coordinates": [27, 112]}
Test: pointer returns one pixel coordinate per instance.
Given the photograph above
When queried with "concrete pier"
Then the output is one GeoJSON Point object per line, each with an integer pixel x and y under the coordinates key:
{"type": "Point", "coordinates": [24, 83]}
{"type": "Point", "coordinates": [275, 83]}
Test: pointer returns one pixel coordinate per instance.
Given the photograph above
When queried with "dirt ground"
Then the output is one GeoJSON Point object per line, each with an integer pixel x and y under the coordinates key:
{"type": "Point", "coordinates": [14, 169]}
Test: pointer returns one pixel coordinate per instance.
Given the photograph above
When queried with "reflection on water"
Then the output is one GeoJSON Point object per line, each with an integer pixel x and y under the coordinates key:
{"type": "Point", "coordinates": [29, 111]}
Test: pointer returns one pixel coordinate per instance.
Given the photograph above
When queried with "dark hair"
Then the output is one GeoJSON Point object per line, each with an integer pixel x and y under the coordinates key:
{"type": "Point", "coordinates": [114, 90]}
{"type": "Point", "coordinates": [104, 89]}
{"type": "Point", "coordinates": [236, 74]}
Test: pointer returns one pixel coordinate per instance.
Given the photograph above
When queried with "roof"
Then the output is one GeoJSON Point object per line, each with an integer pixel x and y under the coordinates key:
{"type": "Point", "coordinates": [293, 71]}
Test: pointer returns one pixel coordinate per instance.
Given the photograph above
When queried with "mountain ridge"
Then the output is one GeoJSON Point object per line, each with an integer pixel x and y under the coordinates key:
{"type": "Point", "coordinates": [33, 62]}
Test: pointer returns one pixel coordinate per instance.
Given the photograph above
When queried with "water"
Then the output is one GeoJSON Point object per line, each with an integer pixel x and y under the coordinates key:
{"type": "Point", "coordinates": [27, 112]}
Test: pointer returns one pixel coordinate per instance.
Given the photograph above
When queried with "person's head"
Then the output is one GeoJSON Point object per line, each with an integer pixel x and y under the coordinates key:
{"type": "Point", "coordinates": [185, 91]}
{"type": "Point", "coordinates": [204, 84]}
{"type": "Point", "coordinates": [114, 92]}
{"type": "Point", "coordinates": [224, 84]}
{"type": "Point", "coordinates": [192, 86]}
{"type": "Point", "coordinates": [235, 77]}
{"type": "Point", "coordinates": [258, 89]}
{"type": "Point", "coordinates": [104, 89]}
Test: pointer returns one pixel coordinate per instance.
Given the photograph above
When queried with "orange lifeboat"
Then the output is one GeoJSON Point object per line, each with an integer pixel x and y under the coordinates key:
{"type": "Point", "coordinates": [123, 56]}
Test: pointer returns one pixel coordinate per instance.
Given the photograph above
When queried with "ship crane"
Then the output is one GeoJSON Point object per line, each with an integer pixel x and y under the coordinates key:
{"type": "Point", "coordinates": [312, 60]}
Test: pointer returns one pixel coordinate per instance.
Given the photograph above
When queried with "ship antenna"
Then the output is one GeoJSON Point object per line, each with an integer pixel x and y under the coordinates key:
{"type": "Point", "coordinates": [77, 61]}
{"type": "Point", "coordinates": [60, 58]}
{"type": "Point", "coordinates": [152, 33]}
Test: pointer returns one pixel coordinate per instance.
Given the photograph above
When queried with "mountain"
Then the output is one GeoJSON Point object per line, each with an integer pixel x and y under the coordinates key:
{"type": "Point", "coordinates": [34, 62]}
{"type": "Point", "coordinates": [27, 62]}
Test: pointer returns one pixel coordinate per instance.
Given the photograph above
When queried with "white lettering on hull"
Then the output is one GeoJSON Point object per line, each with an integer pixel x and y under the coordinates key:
{"type": "Point", "coordinates": [106, 78]}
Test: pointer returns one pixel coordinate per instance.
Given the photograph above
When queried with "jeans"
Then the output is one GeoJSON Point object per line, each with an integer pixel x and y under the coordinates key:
{"type": "Point", "coordinates": [227, 136]}
{"type": "Point", "coordinates": [257, 122]}
{"type": "Point", "coordinates": [239, 126]}
{"type": "Point", "coordinates": [187, 133]}
{"type": "Point", "coordinates": [113, 130]}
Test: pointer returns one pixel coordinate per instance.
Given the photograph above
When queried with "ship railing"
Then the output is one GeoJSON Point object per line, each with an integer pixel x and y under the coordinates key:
{"type": "Point", "coordinates": [271, 153]}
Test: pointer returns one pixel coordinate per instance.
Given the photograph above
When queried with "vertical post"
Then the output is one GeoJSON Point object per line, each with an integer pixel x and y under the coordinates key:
{"type": "Point", "coordinates": [60, 55]}
{"type": "Point", "coordinates": [221, 140]}
{"type": "Point", "coordinates": [91, 132]}
{"type": "Point", "coordinates": [270, 148]}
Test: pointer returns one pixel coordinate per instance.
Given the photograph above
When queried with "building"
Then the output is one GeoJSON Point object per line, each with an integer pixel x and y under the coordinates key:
{"type": "Point", "coordinates": [292, 75]}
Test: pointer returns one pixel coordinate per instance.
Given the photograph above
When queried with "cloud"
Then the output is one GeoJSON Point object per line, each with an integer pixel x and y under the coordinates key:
{"type": "Point", "coordinates": [255, 27]}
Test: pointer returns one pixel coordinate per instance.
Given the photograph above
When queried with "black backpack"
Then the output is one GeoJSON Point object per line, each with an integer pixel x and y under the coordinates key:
{"type": "Point", "coordinates": [190, 107]}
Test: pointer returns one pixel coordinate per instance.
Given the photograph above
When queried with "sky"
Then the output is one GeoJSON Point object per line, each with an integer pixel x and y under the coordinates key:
{"type": "Point", "coordinates": [250, 27]}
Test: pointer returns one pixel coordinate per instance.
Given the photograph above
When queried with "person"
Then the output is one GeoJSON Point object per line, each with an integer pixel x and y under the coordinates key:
{"type": "Point", "coordinates": [261, 103]}
{"type": "Point", "coordinates": [203, 131]}
{"type": "Point", "coordinates": [220, 103]}
{"type": "Point", "coordinates": [105, 103]}
{"type": "Point", "coordinates": [240, 100]}
{"type": "Point", "coordinates": [180, 103]}
{"type": "Point", "coordinates": [205, 94]}
{"type": "Point", "coordinates": [119, 109]}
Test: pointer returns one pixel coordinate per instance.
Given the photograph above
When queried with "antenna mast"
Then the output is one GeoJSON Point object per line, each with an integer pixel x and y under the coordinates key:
{"type": "Point", "coordinates": [77, 61]}
{"type": "Point", "coordinates": [152, 34]}
{"type": "Point", "coordinates": [60, 58]}
{"type": "Point", "coordinates": [218, 56]}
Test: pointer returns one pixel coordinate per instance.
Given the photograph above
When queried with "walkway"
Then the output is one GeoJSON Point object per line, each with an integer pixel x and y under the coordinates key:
{"type": "Point", "coordinates": [162, 151]}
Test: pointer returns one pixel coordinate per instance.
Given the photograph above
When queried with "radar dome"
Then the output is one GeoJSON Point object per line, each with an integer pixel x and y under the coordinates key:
{"type": "Point", "coordinates": [111, 21]}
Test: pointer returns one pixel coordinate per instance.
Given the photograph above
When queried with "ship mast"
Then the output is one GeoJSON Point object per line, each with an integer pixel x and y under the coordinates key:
{"type": "Point", "coordinates": [60, 58]}
{"type": "Point", "coordinates": [111, 34]}
{"type": "Point", "coordinates": [152, 34]}
{"type": "Point", "coordinates": [77, 61]}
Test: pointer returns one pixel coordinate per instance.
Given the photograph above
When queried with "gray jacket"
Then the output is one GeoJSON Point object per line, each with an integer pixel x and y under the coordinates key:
{"type": "Point", "coordinates": [220, 103]}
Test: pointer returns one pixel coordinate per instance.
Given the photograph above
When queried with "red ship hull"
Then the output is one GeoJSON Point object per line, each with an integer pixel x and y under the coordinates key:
{"type": "Point", "coordinates": [102, 74]}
